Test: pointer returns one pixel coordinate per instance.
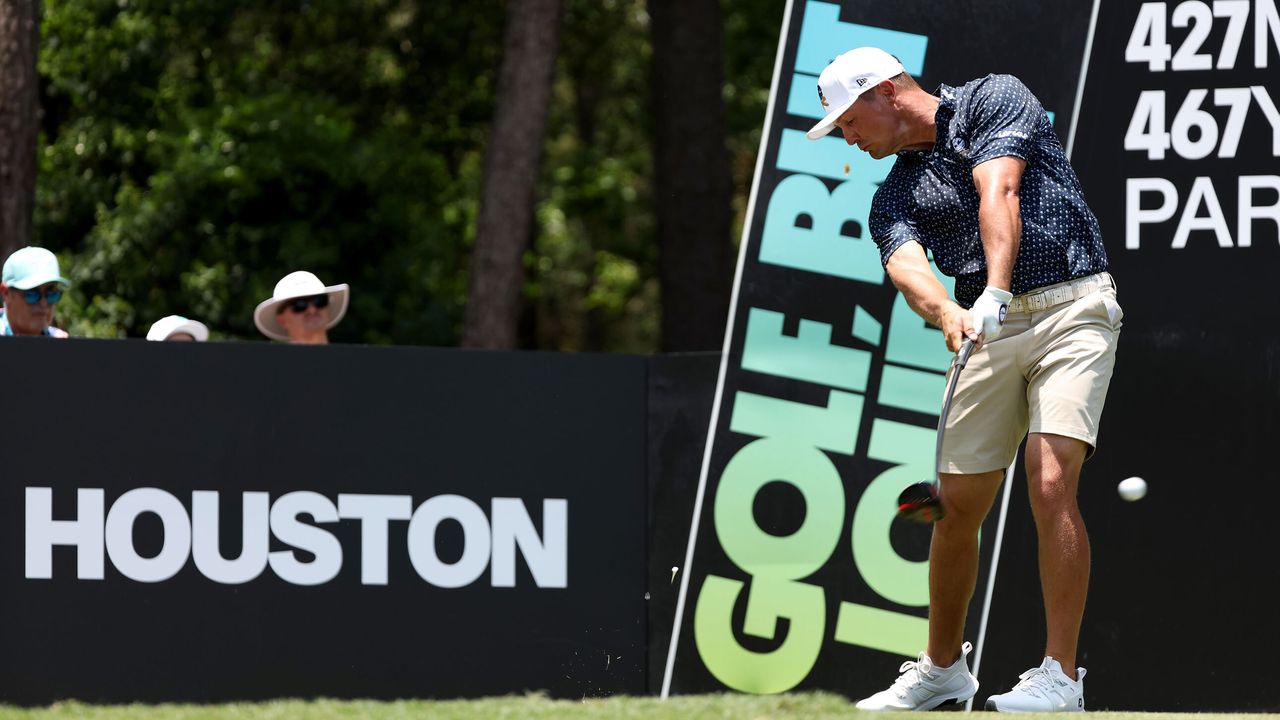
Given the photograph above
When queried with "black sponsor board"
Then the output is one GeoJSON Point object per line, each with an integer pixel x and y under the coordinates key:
{"type": "Point", "coordinates": [681, 390]}
{"type": "Point", "coordinates": [1183, 580]}
{"type": "Point", "coordinates": [1178, 150]}
{"type": "Point", "coordinates": [521, 568]}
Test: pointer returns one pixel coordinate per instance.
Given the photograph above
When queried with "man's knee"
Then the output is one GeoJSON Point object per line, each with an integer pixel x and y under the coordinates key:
{"type": "Point", "coordinates": [1053, 471]}
{"type": "Point", "coordinates": [966, 500]}
{"type": "Point", "coordinates": [1052, 497]}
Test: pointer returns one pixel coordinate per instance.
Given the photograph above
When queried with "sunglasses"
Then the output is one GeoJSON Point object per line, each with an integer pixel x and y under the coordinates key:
{"type": "Point", "coordinates": [51, 295]}
{"type": "Point", "coordinates": [300, 305]}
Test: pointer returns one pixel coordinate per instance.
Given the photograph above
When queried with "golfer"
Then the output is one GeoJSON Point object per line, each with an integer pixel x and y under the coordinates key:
{"type": "Point", "coordinates": [981, 182]}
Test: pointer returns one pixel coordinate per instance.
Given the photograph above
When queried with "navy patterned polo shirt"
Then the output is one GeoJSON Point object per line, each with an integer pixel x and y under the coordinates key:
{"type": "Point", "coordinates": [929, 196]}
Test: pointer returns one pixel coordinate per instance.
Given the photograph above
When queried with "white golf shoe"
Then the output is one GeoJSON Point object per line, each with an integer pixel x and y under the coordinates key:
{"type": "Point", "coordinates": [1043, 689]}
{"type": "Point", "coordinates": [924, 686]}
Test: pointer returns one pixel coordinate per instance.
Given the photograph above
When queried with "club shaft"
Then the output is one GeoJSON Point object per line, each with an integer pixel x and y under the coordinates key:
{"type": "Point", "coordinates": [957, 364]}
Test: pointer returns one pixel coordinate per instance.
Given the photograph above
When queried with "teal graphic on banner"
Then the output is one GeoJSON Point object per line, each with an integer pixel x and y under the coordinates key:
{"type": "Point", "coordinates": [805, 229]}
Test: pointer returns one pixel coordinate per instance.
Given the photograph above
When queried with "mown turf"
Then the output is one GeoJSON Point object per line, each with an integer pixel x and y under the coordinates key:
{"type": "Point", "coordinates": [799, 706]}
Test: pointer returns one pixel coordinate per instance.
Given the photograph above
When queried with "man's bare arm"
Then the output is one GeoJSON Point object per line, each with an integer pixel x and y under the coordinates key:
{"type": "Point", "coordinates": [911, 273]}
{"type": "Point", "coordinates": [998, 182]}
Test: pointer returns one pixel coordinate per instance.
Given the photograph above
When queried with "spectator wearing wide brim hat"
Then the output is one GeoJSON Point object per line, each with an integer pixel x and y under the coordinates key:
{"type": "Point", "coordinates": [176, 327]}
{"type": "Point", "coordinates": [302, 309]}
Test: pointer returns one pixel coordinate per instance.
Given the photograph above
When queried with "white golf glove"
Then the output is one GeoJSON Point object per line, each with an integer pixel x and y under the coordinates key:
{"type": "Point", "coordinates": [988, 312]}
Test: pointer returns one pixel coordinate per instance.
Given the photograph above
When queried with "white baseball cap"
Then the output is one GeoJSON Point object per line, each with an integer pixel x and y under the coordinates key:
{"type": "Point", "coordinates": [166, 327]}
{"type": "Point", "coordinates": [847, 77]}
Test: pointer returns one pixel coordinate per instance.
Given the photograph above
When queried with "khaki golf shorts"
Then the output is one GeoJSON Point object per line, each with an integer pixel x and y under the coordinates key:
{"type": "Point", "coordinates": [1048, 372]}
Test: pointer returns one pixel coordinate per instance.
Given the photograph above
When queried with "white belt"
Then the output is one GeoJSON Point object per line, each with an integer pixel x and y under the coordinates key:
{"type": "Point", "coordinates": [1048, 297]}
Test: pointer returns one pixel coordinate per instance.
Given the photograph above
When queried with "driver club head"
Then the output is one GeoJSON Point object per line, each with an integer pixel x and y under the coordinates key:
{"type": "Point", "coordinates": [920, 503]}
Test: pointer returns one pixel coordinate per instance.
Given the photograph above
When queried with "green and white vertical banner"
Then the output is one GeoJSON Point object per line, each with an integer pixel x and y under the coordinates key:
{"type": "Point", "coordinates": [796, 574]}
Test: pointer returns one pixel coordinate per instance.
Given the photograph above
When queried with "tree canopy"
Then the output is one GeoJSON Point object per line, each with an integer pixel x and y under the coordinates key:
{"type": "Point", "coordinates": [192, 152]}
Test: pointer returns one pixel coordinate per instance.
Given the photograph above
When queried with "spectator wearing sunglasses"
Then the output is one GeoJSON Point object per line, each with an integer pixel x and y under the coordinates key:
{"type": "Point", "coordinates": [31, 285]}
{"type": "Point", "coordinates": [302, 309]}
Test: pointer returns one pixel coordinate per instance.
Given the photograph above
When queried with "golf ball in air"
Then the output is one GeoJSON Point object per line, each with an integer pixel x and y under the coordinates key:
{"type": "Point", "coordinates": [1133, 488]}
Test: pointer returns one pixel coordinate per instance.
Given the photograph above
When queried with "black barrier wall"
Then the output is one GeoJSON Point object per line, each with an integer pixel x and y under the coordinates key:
{"type": "Point", "coordinates": [1179, 577]}
{"type": "Point", "coordinates": [681, 391]}
{"type": "Point", "coordinates": [232, 521]}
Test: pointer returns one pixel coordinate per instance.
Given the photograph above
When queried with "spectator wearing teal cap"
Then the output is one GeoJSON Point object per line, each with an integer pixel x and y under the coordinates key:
{"type": "Point", "coordinates": [31, 285]}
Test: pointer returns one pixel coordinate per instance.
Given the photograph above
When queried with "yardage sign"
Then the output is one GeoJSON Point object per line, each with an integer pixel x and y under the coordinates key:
{"type": "Point", "coordinates": [796, 575]}
{"type": "Point", "coordinates": [1193, 132]}
{"type": "Point", "coordinates": [1178, 151]}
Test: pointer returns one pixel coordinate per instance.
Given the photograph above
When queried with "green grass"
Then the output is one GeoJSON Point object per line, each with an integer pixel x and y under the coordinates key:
{"type": "Point", "coordinates": [799, 706]}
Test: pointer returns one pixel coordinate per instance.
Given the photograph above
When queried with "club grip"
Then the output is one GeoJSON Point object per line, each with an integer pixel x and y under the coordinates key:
{"type": "Point", "coordinates": [962, 357]}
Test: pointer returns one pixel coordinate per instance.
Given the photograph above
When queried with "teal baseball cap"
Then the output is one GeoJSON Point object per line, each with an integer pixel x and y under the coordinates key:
{"type": "Point", "coordinates": [32, 267]}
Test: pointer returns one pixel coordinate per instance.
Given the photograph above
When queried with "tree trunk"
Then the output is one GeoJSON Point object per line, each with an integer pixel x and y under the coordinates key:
{"type": "Point", "coordinates": [19, 44]}
{"type": "Point", "coordinates": [692, 183]}
{"type": "Point", "coordinates": [511, 166]}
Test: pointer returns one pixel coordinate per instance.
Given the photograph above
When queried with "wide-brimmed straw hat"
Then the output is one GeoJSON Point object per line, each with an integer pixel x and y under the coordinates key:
{"type": "Point", "coordinates": [296, 285]}
{"type": "Point", "coordinates": [170, 325]}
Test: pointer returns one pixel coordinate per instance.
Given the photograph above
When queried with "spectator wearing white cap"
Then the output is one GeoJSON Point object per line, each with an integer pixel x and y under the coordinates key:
{"type": "Point", "coordinates": [176, 327]}
{"type": "Point", "coordinates": [302, 309]}
{"type": "Point", "coordinates": [31, 285]}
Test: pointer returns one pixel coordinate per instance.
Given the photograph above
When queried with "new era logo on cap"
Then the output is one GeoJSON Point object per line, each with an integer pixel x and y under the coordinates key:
{"type": "Point", "coordinates": [862, 81]}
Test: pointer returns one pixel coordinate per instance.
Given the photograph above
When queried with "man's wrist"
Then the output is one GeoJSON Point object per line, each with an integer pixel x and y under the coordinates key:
{"type": "Point", "coordinates": [947, 309]}
{"type": "Point", "coordinates": [999, 294]}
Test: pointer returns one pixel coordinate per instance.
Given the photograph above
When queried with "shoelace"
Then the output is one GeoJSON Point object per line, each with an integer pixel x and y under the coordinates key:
{"type": "Point", "coordinates": [912, 672]}
{"type": "Point", "coordinates": [1037, 681]}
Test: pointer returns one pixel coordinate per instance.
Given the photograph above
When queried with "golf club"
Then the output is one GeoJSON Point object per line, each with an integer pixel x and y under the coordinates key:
{"type": "Point", "coordinates": [920, 502]}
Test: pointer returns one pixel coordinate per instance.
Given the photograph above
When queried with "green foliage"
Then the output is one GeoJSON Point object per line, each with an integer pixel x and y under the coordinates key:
{"type": "Point", "coordinates": [592, 270]}
{"type": "Point", "coordinates": [196, 151]}
{"type": "Point", "coordinates": [193, 152]}
{"type": "Point", "coordinates": [751, 30]}
{"type": "Point", "coordinates": [594, 266]}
